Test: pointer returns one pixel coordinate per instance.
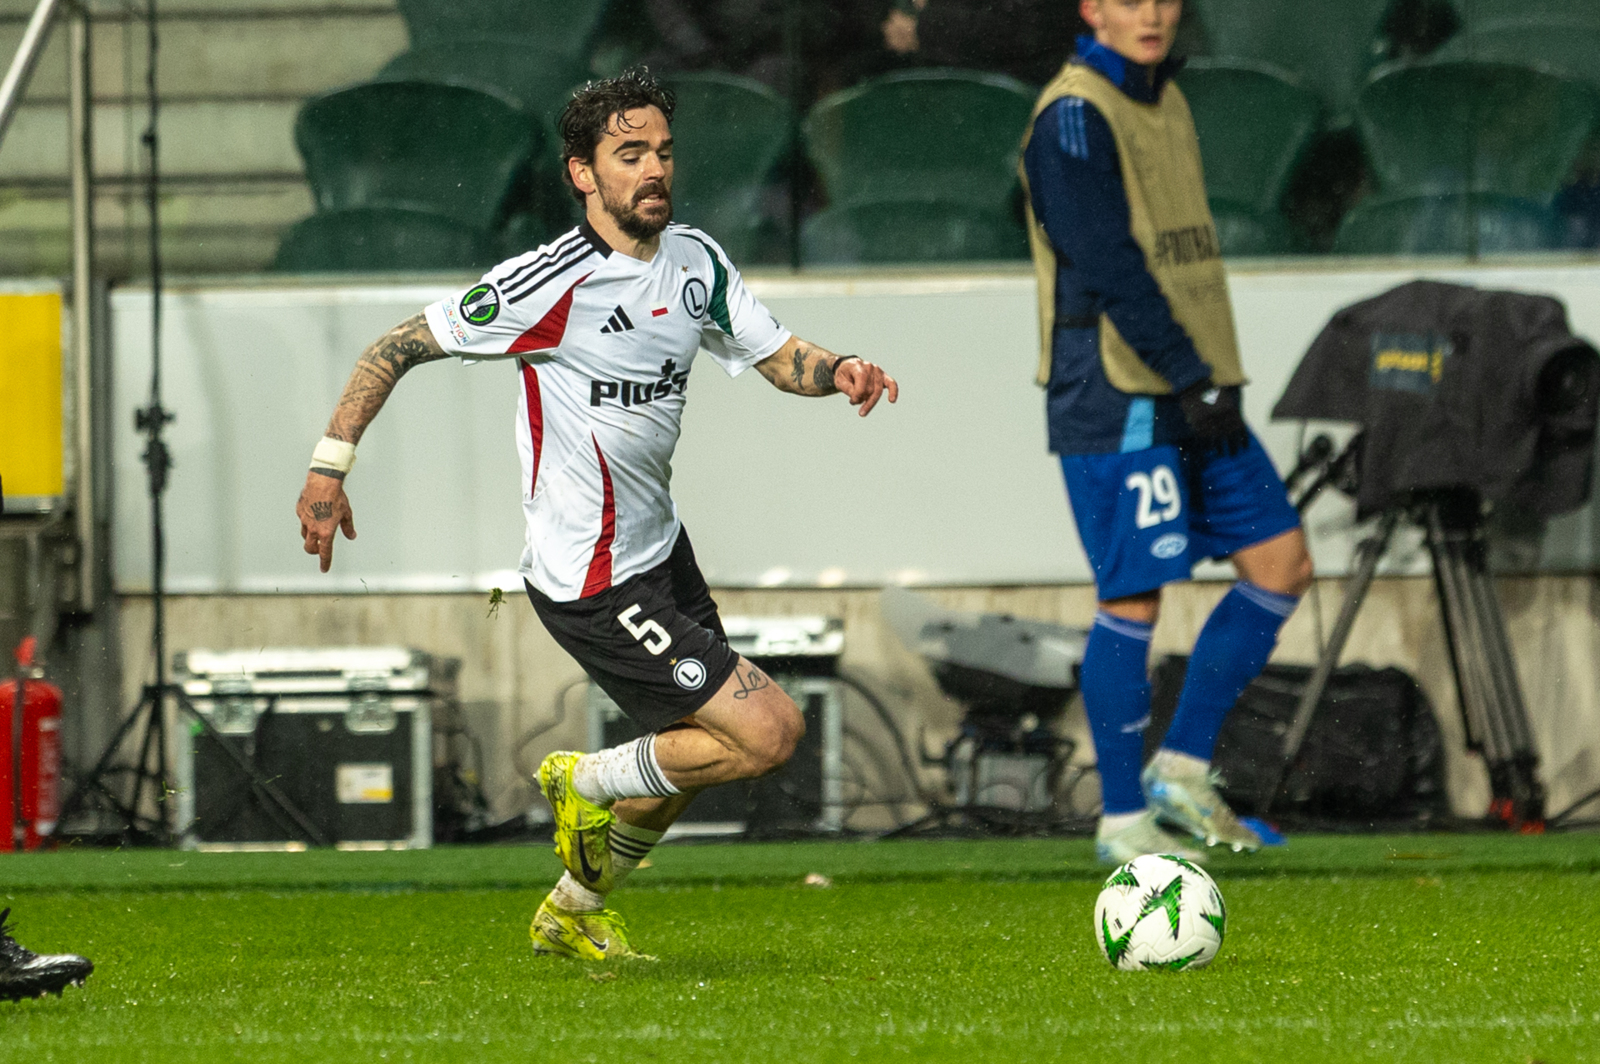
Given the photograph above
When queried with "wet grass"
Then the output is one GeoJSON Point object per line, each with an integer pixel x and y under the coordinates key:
{"type": "Point", "coordinates": [1425, 948]}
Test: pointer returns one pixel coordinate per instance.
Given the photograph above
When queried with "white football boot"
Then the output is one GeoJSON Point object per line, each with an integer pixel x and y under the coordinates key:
{"type": "Point", "coordinates": [1140, 837]}
{"type": "Point", "coordinates": [1182, 791]}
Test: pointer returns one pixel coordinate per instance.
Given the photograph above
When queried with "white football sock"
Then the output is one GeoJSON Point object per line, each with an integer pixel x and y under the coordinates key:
{"type": "Point", "coordinates": [574, 897]}
{"type": "Point", "coordinates": [1111, 823]}
{"type": "Point", "coordinates": [627, 771]}
{"type": "Point", "coordinates": [630, 845]}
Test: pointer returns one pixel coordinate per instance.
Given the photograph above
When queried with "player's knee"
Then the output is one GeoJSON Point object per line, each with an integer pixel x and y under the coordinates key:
{"type": "Point", "coordinates": [773, 742]}
{"type": "Point", "coordinates": [792, 728]}
{"type": "Point", "coordinates": [1301, 575]}
{"type": "Point", "coordinates": [1146, 608]}
{"type": "Point", "coordinates": [1293, 577]}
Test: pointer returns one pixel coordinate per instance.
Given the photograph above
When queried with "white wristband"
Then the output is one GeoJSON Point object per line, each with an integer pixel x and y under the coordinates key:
{"type": "Point", "coordinates": [333, 454]}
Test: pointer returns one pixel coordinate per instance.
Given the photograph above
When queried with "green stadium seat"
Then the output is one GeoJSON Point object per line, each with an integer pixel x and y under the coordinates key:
{"type": "Point", "coordinates": [1254, 127]}
{"type": "Point", "coordinates": [523, 231]}
{"type": "Point", "coordinates": [901, 230]}
{"type": "Point", "coordinates": [729, 136]}
{"type": "Point", "coordinates": [448, 150]}
{"type": "Point", "coordinates": [566, 27]}
{"type": "Point", "coordinates": [1453, 224]}
{"type": "Point", "coordinates": [381, 239]}
{"type": "Point", "coordinates": [1466, 156]}
{"type": "Point", "coordinates": [922, 134]}
{"type": "Point", "coordinates": [1565, 45]}
{"type": "Point", "coordinates": [1440, 127]}
{"type": "Point", "coordinates": [540, 80]}
{"type": "Point", "coordinates": [1483, 12]}
{"type": "Point", "coordinates": [1243, 233]}
{"type": "Point", "coordinates": [1329, 44]}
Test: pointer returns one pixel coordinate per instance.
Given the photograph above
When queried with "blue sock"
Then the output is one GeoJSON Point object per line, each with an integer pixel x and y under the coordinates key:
{"type": "Point", "coordinates": [1231, 652]}
{"type": "Point", "coordinates": [1115, 681]}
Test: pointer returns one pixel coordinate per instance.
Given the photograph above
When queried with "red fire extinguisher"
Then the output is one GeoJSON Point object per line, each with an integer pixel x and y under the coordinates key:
{"type": "Point", "coordinates": [30, 755]}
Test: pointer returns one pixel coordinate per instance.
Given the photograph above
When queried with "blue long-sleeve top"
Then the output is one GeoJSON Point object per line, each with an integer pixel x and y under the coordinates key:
{"type": "Point", "coordinates": [1075, 181]}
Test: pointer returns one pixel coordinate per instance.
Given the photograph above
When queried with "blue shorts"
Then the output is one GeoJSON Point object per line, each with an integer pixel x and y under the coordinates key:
{"type": "Point", "coordinates": [1143, 525]}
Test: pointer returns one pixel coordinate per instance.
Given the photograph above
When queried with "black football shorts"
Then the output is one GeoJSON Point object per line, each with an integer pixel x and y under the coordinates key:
{"type": "Point", "coordinates": [654, 642]}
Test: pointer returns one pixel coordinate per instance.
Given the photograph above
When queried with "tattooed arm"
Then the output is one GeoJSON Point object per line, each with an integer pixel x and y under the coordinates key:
{"type": "Point", "coordinates": [377, 371]}
{"type": "Point", "coordinates": [323, 505]}
{"type": "Point", "coordinates": [806, 369]}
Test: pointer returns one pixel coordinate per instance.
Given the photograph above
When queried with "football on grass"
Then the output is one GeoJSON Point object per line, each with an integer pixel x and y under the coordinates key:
{"type": "Point", "coordinates": [1159, 913]}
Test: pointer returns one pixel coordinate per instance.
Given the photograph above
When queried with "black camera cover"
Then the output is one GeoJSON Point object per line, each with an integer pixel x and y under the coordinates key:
{"type": "Point", "coordinates": [1457, 387]}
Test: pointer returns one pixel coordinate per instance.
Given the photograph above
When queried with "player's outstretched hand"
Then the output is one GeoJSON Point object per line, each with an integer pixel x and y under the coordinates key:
{"type": "Point", "coordinates": [864, 383]}
{"type": "Point", "coordinates": [324, 507]}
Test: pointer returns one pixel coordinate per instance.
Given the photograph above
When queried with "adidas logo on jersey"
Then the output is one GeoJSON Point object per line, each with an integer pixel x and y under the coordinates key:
{"type": "Point", "coordinates": [618, 322]}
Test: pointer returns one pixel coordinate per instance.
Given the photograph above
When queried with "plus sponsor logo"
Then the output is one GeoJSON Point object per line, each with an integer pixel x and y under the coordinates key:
{"type": "Point", "coordinates": [672, 381]}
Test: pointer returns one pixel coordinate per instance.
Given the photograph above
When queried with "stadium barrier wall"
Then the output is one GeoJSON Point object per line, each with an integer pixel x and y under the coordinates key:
{"type": "Point", "coordinates": [960, 493]}
{"type": "Point", "coordinates": [513, 671]}
{"type": "Point", "coordinates": [952, 486]}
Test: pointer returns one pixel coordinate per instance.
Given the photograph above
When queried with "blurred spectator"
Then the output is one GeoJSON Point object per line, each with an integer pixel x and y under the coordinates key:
{"type": "Point", "coordinates": [1027, 39]}
{"type": "Point", "coordinates": [1414, 28]}
{"type": "Point", "coordinates": [752, 38]}
{"type": "Point", "coordinates": [1578, 204]}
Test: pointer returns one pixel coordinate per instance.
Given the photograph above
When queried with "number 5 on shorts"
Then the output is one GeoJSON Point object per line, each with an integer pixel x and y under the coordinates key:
{"type": "Point", "coordinates": [652, 635]}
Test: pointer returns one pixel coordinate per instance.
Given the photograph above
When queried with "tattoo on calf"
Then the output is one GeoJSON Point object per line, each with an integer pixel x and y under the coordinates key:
{"type": "Point", "coordinates": [750, 683]}
{"type": "Point", "coordinates": [322, 510]}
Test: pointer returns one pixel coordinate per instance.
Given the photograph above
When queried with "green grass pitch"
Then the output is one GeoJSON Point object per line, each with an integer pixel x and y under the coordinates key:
{"type": "Point", "coordinates": [1404, 948]}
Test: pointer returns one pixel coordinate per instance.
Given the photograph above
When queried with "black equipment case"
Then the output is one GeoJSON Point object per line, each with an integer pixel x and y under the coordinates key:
{"type": "Point", "coordinates": [1374, 756]}
{"type": "Point", "coordinates": [344, 733]}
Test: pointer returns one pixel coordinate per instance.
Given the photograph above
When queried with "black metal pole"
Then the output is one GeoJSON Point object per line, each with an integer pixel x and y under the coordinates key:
{"type": "Point", "coordinates": [794, 85]}
{"type": "Point", "coordinates": [157, 456]}
{"type": "Point", "coordinates": [19, 703]}
{"type": "Point", "coordinates": [152, 420]}
{"type": "Point", "coordinates": [1356, 585]}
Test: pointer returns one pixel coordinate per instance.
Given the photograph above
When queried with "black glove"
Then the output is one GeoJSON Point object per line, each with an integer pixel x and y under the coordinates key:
{"type": "Point", "coordinates": [1213, 414]}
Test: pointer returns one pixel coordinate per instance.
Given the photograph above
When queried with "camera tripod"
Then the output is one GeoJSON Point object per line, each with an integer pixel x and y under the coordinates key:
{"type": "Point", "coordinates": [1481, 660]}
{"type": "Point", "coordinates": [152, 784]}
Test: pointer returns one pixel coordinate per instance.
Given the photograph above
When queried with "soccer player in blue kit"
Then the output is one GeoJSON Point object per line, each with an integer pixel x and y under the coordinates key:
{"type": "Point", "coordinates": [1141, 371]}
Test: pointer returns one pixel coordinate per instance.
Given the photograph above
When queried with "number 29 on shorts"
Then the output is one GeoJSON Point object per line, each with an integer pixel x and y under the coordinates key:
{"type": "Point", "coordinates": [1159, 498]}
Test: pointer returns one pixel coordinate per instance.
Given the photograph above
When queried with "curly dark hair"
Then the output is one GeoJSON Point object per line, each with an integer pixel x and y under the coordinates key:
{"type": "Point", "coordinates": [585, 118]}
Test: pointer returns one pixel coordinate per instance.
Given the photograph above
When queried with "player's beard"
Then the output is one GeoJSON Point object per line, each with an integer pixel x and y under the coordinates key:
{"type": "Point", "coordinates": [634, 222]}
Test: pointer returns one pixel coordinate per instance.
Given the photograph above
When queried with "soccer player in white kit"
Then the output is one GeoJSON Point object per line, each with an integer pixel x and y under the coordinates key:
{"type": "Point", "coordinates": [605, 323]}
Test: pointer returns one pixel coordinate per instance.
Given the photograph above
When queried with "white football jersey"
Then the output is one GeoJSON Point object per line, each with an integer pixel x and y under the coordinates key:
{"type": "Point", "coordinates": [604, 343]}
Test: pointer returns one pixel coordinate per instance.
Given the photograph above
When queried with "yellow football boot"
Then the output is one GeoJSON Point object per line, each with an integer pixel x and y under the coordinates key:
{"type": "Point", "coordinates": [583, 829]}
{"type": "Point", "coordinates": [598, 936]}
